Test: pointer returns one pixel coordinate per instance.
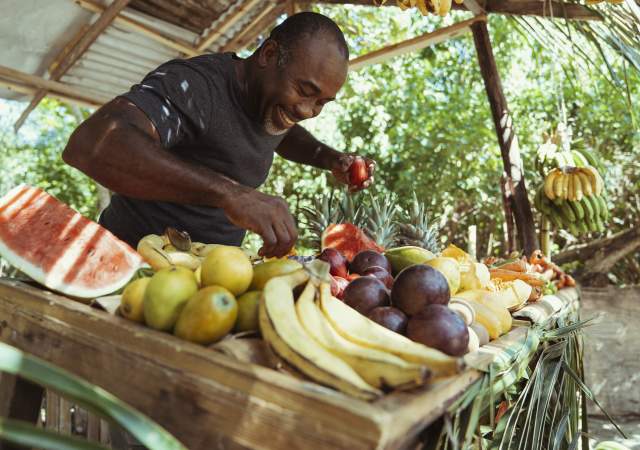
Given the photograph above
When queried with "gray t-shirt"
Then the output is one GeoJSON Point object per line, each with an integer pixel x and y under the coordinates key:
{"type": "Point", "coordinates": [199, 111]}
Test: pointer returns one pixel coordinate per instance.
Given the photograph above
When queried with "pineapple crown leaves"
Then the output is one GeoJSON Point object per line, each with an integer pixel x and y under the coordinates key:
{"type": "Point", "coordinates": [415, 228]}
{"type": "Point", "coordinates": [381, 224]}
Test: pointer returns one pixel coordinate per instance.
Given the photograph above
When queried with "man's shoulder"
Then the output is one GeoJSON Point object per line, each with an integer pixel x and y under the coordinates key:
{"type": "Point", "coordinates": [210, 66]}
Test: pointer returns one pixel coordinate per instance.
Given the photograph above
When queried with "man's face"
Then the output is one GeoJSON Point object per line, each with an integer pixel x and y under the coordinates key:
{"type": "Point", "coordinates": [312, 76]}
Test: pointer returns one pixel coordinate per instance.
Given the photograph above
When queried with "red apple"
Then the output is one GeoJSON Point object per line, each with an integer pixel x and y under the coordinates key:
{"type": "Point", "coordinates": [358, 172]}
{"type": "Point", "coordinates": [337, 262]}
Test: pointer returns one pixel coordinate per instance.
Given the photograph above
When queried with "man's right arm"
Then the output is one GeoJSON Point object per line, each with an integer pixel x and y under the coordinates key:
{"type": "Point", "coordinates": [119, 147]}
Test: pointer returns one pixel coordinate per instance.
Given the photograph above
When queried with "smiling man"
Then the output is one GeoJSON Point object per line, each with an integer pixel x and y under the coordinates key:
{"type": "Point", "coordinates": [189, 146]}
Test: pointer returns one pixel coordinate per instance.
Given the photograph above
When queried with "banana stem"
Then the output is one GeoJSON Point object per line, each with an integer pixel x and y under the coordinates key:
{"type": "Point", "coordinates": [545, 236]}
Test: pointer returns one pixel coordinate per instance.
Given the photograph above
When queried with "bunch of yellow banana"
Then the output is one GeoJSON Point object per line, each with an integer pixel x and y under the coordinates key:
{"type": "Point", "coordinates": [160, 251]}
{"type": "Point", "coordinates": [612, 2]}
{"type": "Point", "coordinates": [573, 183]}
{"type": "Point", "coordinates": [440, 7]}
{"type": "Point", "coordinates": [589, 214]}
{"type": "Point", "coordinates": [335, 345]}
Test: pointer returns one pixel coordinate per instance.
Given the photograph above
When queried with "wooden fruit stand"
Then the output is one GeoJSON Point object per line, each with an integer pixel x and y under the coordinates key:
{"type": "Point", "coordinates": [210, 400]}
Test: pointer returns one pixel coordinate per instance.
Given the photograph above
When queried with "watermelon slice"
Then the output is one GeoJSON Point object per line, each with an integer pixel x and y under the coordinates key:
{"type": "Point", "coordinates": [348, 239]}
{"type": "Point", "coordinates": [61, 249]}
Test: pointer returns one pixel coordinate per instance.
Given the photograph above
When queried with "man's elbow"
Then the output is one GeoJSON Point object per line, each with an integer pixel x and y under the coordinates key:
{"type": "Point", "coordinates": [83, 150]}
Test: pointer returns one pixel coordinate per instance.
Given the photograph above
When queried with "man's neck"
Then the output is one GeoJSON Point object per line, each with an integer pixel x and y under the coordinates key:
{"type": "Point", "coordinates": [246, 73]}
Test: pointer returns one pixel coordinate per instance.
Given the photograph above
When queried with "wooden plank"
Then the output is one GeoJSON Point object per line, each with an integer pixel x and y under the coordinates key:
{"type": "Point", "coordinates": [139, 27]}
{"type": "Point", "coordinates": [53, 410]}
{"type": "Point", "coordinates": [235, 404]}
{"type": "Point", "coordinates": [257, 25]}
{"type": "Point", "coordinates": [64, 419]}
{"type": "Point", "coordinates": [93, 428]}
{"type": "Point", "coordinates": [507, 139]}
{"type": "Point", "coordinates": [216, 30]}
{"type": "Point", "coordinates": [165, 374]}
{"type": "Point", "coordinates": [414, 44]}
{"type": "Point", "coordinates": [15, 77]}
{"type": "Point", "coordinates": [75, 53]}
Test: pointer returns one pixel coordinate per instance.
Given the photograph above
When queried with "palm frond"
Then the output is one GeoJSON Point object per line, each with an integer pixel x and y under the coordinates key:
{"type": "Point", "coordinates": [93, 398]}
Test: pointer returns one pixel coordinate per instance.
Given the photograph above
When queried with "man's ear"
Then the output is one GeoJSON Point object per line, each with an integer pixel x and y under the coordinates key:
{"type": "Point", "coordinates": [268, 54]}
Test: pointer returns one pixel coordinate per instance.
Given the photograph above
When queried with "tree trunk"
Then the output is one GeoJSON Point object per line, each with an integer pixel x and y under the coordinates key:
{"type": "Point", "coordinates": [600, 256]}
{"type": "Point", "coordinates": [507, 139]}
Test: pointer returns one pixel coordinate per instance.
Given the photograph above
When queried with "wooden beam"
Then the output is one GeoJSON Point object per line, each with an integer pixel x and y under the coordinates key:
{"type": "Point", "coordinates": [14, 77]}
{"type": "Point", "coordinates": [511, 159]}
{"type": "Point", "coordinates": [573, 11]}
{"type": "Point", "coordinates": [216, 30]}
{"type": "Point", "coordinates": [414, 44]}
{"type": "Point", "coordinates": [74, 54]}
{"type": "Point", "coordinates": [561, 10]}
{"type": "Point", "coordinates": [28, 90]}
{"type": "Point", "coordinates": [257, 25]}
{"type": "Point", "coordinates": [134, 25]}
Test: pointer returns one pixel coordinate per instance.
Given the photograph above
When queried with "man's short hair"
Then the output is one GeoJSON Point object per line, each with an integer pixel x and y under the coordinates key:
{"type": "Point", "coordinates": [303, 25]}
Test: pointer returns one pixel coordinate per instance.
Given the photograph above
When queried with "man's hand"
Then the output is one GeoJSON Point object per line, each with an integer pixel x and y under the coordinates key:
{"type": "Point", "coordinates": [353, 170]}
{"type": "Point", "coordinates": [266, 215]}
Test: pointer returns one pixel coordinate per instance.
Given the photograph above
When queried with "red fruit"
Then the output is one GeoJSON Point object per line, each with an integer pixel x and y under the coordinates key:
{"type": "Point", "coordinates": [437, 326]}
{"type": "Point", "coordinates": [369, 258]}
{"type": "Point", "coordinates": [348, 239]}
{"type": "Point", "coordinates": [353, 276]}
{"type": "Point", "coordinates": [337, 262]}
{"type": "Point", "coordinates": [358, 172]}
{"type": "Point", "coordinates": [379, 273]}
{"type": "Point", "coordinates": [341, 285]}
{"type": "Point", "coordinates": [389, 317]}
{"type": "Point", "coordinates": [366, 293]}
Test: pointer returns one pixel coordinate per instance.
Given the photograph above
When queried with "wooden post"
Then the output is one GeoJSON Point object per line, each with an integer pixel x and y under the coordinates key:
{"type": "Point", "coordinates": [507, 139]}
{"type": "Point", "coordinates": [20, 400]}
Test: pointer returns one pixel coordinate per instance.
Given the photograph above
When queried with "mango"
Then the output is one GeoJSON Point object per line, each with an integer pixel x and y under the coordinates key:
{"type": "Point", "coordinates": [229, 267]}
{"type": "Point", "coordinates": [271, 269]}
{"type": "Point", "coordinates": [166, 295]}
{"type": "Point", "coordinates": [403, 257]}
{"type": "Point", "coordinates": [208, 316]}
{"type": "Point", "coordinates": [132, 301]}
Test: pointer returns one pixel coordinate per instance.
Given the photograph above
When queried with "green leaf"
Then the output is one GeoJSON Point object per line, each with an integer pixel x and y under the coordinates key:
{"type": "Point", "coordinates": [28, 435]}
{"type": "Point", "coordinates": [92, 397]}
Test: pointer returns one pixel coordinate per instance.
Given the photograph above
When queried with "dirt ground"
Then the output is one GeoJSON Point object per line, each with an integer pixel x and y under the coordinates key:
{"type": "Point", "coordinates": [600, 429]}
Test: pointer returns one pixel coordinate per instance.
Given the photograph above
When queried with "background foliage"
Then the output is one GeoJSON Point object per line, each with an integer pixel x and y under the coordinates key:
{"type": "Point", "coordinates": [425, 119]}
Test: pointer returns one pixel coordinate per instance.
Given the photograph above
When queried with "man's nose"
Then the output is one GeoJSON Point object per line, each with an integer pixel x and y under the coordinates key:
{"type": "Point", "coordinates": [307, 110]}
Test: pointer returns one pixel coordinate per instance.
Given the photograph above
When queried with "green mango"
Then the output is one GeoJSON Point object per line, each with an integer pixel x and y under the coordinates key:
{"type": "Point", "coordinates": [402, 257]}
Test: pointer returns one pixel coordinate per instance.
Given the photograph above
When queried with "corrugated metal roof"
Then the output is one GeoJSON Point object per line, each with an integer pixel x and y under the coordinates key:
{"type": "Point", "coordinates": [33, 32]}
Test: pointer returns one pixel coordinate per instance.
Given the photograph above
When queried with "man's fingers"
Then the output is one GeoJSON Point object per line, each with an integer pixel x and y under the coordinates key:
{"type": "Point", "coordinates": [284, 240]}
{"type": "Point", "coordinates": [269, 241]}
{"type": "Point", "coordinates": [346, 161]}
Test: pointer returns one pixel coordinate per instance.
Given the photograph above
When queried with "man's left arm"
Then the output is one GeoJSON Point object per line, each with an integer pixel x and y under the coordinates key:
{"type": "Point", "coordinates": [300, 146]}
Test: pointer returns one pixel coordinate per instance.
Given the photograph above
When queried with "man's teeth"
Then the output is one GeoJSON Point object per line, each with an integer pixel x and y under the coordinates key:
{"type": "Point", "coordinates": [286, 119]}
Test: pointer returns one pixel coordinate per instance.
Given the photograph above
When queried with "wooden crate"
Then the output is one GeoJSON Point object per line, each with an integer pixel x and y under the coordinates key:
{"type": "Point", "coordinates": [206, 399]}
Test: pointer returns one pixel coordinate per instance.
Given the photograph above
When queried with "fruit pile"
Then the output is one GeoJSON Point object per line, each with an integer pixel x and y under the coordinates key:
{"type": "Point", "coordinates": [572, 196]}
{"type": "Point", "coordinates": [357, 317]}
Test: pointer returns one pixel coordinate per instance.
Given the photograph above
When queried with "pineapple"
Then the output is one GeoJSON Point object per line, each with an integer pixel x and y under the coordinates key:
{"type": "Point", "coordinates": [381, 225]}
{"type": "Point", "coordinates": [416, 230]}
{"type": "Point", "coordinates": [351, 209]}
{"type": "Point", "coordinates": [323, 213]}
